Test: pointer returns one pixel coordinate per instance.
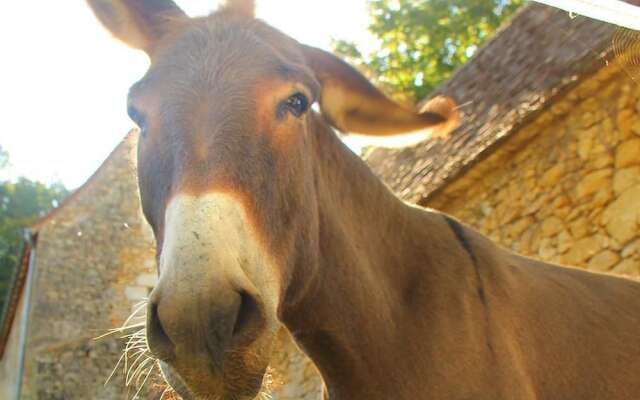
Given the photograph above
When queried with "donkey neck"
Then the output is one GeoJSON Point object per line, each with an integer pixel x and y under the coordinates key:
{"type": "Point", "coordinates": [379, 287]}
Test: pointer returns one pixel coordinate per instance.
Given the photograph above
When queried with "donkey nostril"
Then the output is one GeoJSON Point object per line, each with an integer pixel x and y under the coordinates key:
{"type": "Point", "coordinates": [157, 339]}
{"type": "Point", "coordinates": [248, 318]}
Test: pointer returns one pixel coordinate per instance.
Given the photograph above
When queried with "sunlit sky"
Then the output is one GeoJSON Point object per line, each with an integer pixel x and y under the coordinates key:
{"type": "Point", "coordinates": [64, 79]}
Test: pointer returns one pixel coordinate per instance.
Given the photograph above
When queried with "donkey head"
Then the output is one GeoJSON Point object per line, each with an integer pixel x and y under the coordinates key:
{"type": "Point", "coordinates": [226, 177]}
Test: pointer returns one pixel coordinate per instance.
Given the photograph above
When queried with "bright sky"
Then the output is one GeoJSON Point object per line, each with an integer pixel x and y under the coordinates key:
{"type": "Point", "coordinates": [64, 79]}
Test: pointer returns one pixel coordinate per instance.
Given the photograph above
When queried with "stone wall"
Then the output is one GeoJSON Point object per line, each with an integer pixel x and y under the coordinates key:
{"type": "Point", "coordinates": [89, 252]}
{"type": "Point", "coordinates": [95, 260]}
{"type": "Point", "coordinates": [294, 376]}
{"type": "Point", "coordinates": [566, 187]}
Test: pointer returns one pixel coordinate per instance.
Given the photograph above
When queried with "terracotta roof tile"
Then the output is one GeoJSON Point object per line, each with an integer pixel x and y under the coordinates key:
{"type": "Point", "coordinates": [14, 295]}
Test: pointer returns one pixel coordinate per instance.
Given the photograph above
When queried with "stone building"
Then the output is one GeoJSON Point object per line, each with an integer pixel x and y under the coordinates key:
{"type": "Point", "coordinates": [88, 262]}
{"type": "Point", "coordinates": [547, 163]}
{"type": "Point", "coordinates": [547, 160]}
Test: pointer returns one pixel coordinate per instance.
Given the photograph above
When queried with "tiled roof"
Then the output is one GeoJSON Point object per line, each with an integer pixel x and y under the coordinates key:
{"type": "Point", "coordinates": [14, 295]}
{"type": "Point", "coordinates": [539, 54]}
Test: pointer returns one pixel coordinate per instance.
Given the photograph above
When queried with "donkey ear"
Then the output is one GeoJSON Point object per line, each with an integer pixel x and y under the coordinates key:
{"type": "Point", "coordinates": [138, 23]}
{"type": "Point", "coordinates": [246, 7]}
{"type": "Point", "coordinates": [352, 104]}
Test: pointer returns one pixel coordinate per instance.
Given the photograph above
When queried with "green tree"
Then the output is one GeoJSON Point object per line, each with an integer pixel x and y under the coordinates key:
{"type": "Point", "coordinates": [421, 42]}
{"type": "Point", "coordinates": [21, 203]}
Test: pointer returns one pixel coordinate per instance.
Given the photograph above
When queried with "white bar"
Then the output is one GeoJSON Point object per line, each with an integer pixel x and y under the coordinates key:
{"type": "Point", "coordinates": [612, 11]}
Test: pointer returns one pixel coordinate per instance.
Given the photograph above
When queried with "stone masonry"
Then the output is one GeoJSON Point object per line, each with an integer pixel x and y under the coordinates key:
{"type": "Point", "coordinates": [566, 187]}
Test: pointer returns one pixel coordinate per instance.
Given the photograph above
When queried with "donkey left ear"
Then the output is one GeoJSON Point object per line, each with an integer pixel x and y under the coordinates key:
{"type": "Point", "coordinates": [138, 23]}
{"type": "Point", "coordinates": [245, 7]}
{"type": "Point", "coordinates": [352, 104]}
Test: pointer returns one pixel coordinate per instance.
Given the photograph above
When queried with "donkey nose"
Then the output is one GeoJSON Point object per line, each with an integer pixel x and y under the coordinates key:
{"type": "Point", "coordinates": [157, 339]}
{"type": "Point", "coordinates": [184, 325]}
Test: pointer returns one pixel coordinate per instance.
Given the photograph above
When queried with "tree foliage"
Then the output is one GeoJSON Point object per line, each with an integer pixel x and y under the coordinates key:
{"type": "Point", "coordinates": [421, 42]}
{"type": "Point", "coordinates": [21, 203]}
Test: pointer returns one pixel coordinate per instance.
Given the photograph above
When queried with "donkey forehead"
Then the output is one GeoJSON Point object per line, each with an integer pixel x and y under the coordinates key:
{"type": "Point", "coordinates": [214, 54]}
{"type": "Point", "coordinates": [210, 102]}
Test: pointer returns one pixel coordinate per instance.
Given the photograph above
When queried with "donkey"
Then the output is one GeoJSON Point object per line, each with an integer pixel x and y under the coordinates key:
{"type": "Point", "coordinates": [264, 218]}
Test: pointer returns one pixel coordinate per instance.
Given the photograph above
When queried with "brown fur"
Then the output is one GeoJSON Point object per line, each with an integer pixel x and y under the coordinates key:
{"type": "Point", "coordinates": [389, 300]}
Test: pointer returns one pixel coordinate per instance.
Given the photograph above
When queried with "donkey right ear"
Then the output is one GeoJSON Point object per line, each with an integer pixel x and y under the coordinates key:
{"type": "Point", "coordinates": [138, 23]}
{"type": "Point", "coordinates": [352, 104]}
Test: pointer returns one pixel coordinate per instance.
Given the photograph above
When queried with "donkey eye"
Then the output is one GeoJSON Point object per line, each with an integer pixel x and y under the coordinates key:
{"type": "Point", "coordinates": [297, 104]}
{"type": "Point", "coordinates": [137, 117]}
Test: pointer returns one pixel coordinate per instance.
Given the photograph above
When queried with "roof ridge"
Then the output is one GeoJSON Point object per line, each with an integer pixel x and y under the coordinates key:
{"type": "Point", "coordinates": [70, 199]}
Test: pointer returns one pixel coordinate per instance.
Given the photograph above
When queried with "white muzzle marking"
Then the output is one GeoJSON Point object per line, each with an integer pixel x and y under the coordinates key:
{"type": "Point", "coordinates": [210, 237]}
